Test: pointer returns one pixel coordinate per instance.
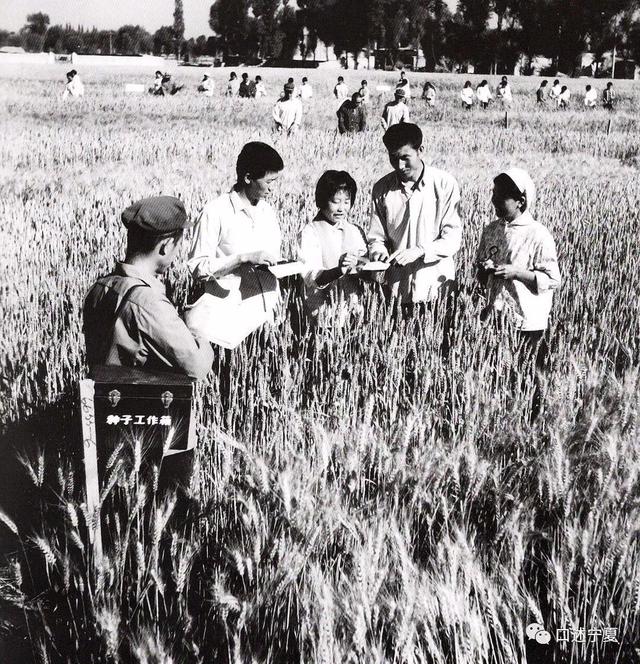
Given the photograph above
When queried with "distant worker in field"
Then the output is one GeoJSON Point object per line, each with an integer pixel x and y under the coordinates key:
{"type": "Point", "coordinates": [483, 93]}
{"type": "Point", "coordinates": [206, 86]}
{"type": "Point", "coordinates": [128, 319]}
{"type": "Point", "coordinates": [518, 266]}
{"type": "Point", "coordinates": [352, 115]}
{"type": "Point", "coordinates": [415, 222]}
{"type": "Point", "coordinates": [238, 231]}
{"type": "Point", "coordinates": [364, 92]}
{"type": "Point", "coordinates": [244, 89]}
{"type": "Point", "coordinates": [156, 88]}
{"type": "Point", "coordinates": [564, 97]}
{"type": "Point", "coordinates": [503, 93]}
{"type": "Point", "coordinates": [467, 95]}
{"type": "Point", "coordinates": [590, 97]}
{"type": "Point", "coordinates": [287, 112]}
{"type": "Point", "coordinates": [403, 84]}
{"type": "Point", "coordinates": [609, 97]}
{"type": "Point", "coordinates": [257, 88]}
{"type": "Point", "coordinates": [74, 86]}
{"type": "Point", "coordinates": [395, 111]}
{"type": "Point", "coordinates": [305, 91]}
{"type": "Point", "coordinates": [555, 91]}
{"type": "Point", "coordinates": [429, 93]}
{"type": "Point", "coordinates": [332, 247]}
{"type": "Point", "coordinates": [341, 91]}
{"type": "Point", "coordinates": [541, 93]}
{"type": "Point", "coordinates": [233, 85]}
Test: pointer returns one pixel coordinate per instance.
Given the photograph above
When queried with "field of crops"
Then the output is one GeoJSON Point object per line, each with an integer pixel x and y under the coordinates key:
{"type": "Point", "coordinates": [361, 496]}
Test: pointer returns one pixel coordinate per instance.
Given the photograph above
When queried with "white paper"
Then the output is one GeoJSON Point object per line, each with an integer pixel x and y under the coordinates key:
{"type": "Point", "coordinates": [374, 266]}
{"type": "Point", "coordinates": [287, 269]}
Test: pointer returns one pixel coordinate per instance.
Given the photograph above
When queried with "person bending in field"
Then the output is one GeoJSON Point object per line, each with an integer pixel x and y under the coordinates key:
{"type": "Point", "coordinates": [467, 95]}
{"type": "Point", "coordinates": [483, 93]}
{"type": "Point", "coordinates": [74, 86]}
{"type": "Point", "coordinates": [395, 111]}
{"type": "Point", "coordinates": [331, 247]}
{"type": "Point", "coordinates": [128, 319]}
{"type": "Point", "coordinates": [415, 220]}
{"type": "Point", "coordinates": [590, 97]}
{"type": "Point", "coordinates": [541, 94]}
{"type": "Point", "coordinates": [518, 266]}
{"type": "Point", "coordinates": [352, 115]}
{"type": "Point", "coordinates": [503, 93]}
{"type": "Point", "coordinates": [564, 97]}
{"type": "Point", "coordinates": [233, 85]}
{"type": "Point", "coordinates": [429, 93]}
{"type": "Point", "coordinates": [206, 86]}
{"type": "Point", "coordinates": [609, 97]}
{"type": "Point", "coordinates": [555, 91]}
{"type": "Point", "coordinates": [287, 112]}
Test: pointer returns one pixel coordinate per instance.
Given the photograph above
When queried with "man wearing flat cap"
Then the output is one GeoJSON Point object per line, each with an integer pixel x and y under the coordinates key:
{"type": "Point", "coordinates": [128, 319]}
{"type": "Point", "coordinates": [287, 112]}
{"type": "Point", "coordinates": [352, 115]}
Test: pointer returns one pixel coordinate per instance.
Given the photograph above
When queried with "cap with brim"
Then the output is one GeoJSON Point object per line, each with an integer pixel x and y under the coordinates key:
{"type": "Point", "coordinates": [524, 184]}
{"type": "Point", "coordinates": [157, 216]}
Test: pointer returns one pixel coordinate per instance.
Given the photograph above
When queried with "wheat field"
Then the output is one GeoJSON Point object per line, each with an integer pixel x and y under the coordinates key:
{"type": "Point", "coordinates": [360, 495]}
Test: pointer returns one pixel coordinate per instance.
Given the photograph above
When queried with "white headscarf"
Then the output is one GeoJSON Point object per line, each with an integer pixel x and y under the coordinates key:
{"type": "Point", "coordinates": [524, 183]}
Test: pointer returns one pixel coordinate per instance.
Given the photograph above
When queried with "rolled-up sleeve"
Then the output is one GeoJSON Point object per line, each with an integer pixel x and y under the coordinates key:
{"type": "Point", "coordinates": [204, 261]}
{"type": "Point", "coordinates": [450, 237]}
{"type": "Point", "coordinates": [377, 235]}
{"type": "Point", "coordinates": [167, 336]}
{"type": "Point", "coordinates": [545, 264]}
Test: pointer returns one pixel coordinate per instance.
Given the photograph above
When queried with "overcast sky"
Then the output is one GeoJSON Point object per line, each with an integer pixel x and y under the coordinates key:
{"type": "Point", "coordinates": [107, 14]}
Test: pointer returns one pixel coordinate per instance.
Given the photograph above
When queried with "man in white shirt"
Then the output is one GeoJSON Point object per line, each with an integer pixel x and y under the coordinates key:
{"type": "Point", "coordinates": [395, 111]}
{"type": "Point", "coordinates": [590, 97]}
{"type": "Point", "coordinates": [341, 91]}
{"type": "Point", "coordinates": [233, 85]}
{"type": "Point", "coordinates": [74, 86]}
{"type": "Point", "coordinates": [239, 230]}
{"type": "Point", "coordinates": [287, 112]}
{"type": "Point", "coordinates": [415, 221]}
{"type": "Point", "coordinates": [305, 91]}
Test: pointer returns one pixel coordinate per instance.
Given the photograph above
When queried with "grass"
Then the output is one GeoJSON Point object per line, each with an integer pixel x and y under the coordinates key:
{"type": "Point", "coordinates": [359, 496]}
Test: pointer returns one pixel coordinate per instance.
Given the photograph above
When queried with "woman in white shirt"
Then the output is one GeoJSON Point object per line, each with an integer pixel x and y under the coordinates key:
{"type": "Point", "coordinates": [590, 97]}
{"type": "Point", "coordinates": [483, 93]}
{"type": "Point", "coordinates": [564, 97]}
{"type": "Point", "coordinates": [467, 95]}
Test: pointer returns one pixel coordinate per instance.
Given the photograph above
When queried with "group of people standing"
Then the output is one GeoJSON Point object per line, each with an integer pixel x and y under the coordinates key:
{"type": "Point", "coordinates": [561, 95]}
{"type": "Point", "coordinates": [410, 245]}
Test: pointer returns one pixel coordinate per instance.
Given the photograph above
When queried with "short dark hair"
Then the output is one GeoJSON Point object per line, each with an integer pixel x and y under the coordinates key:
{"type": "Point", "coordinates": [364, 82]}
{"type": "Point", "coordinates": [233, 74]}
{"type": "Point", "coordinates": [290, 79]}
{"type": "Point", "coordinates": [142, 242]}
{"type": "Point", "coordinates": [543, 82]}
{"type": "Point", "coordinates": [304, 79]}
{"type": "Point", "coordinates": [258, 77]}
{"type": "Point", "coordinates": [340, 78]}
{"type": "Point", "coordinates": [399, 135]}
{"type": "Point", "coordinates": [330, 183]}
{"type": "Point", "coordinates": [245, 75]}
{"type": "Point", "coordinates": [256, 159]}
{"type": "Point", "coordinates": [510, 188]}
{"type": "Point", "coordinates": [588, 87]}
{"type": "Point", "coordinates": [556, 81]}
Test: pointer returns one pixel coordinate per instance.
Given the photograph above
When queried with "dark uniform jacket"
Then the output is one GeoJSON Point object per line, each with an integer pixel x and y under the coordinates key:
{"type": "Point", "coordinates": [130, 322]}
{"type": "Point", "coordinates": [351, 117]}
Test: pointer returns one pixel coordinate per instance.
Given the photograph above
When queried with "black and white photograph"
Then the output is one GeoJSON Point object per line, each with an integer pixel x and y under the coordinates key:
{"type": "Point", "coordinates": [320, 332]}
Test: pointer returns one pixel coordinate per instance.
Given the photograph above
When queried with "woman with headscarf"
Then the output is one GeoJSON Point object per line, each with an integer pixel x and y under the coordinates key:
{"type": "Point", "coordinates": [518, 265]}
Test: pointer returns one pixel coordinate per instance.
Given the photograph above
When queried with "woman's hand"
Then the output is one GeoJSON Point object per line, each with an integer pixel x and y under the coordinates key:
{"type": "Point", "coordinates": [348, 262]}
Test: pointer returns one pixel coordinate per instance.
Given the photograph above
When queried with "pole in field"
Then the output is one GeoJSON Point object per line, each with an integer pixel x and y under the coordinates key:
{"type": "Point", "coordinates": [609, 125]}
{"type": "Point", "coordinates": [506, 119]}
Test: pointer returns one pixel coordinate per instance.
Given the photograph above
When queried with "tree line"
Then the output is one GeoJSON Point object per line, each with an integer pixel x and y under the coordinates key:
{"type": "Point", "coordinates": [491, 35]}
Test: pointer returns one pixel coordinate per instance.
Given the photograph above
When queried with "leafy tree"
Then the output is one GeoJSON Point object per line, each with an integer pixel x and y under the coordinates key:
{"type": "Point", "coordinates": [133, 40]}
{"type": "Point", "coordinates": [37, 23]}
{"type": "Point", "coordinates": [230, 20]}
{"type": "Point", "coordinates": [163, 40]}
{"type": "Point", "coordinates": [178, 26]}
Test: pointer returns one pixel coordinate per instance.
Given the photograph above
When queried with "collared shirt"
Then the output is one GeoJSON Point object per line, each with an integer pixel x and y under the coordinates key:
{"type": "Point", "coordinates": [341, 91]}
{"type": "Point", "coordinates": [229, 226]}
{"type": "Point", "coordinates": [129, 322]}
{"type": "Point", "coordinates": [288, 113]}
{"type": "Point", "coordinates": [395, 113]}
{"type": "Point", "coordinates": [320, 246]}
{"type": "Point", "coordinates": [351, 117]}
{"type": "Point", "coordinates": [423, 214]}
{"type": "Point", "coordinates": [467, 95]}
{"type": "Point", "coordinates": [305, 91]}
{"type": "Point", "coordinates": [528, 245]}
